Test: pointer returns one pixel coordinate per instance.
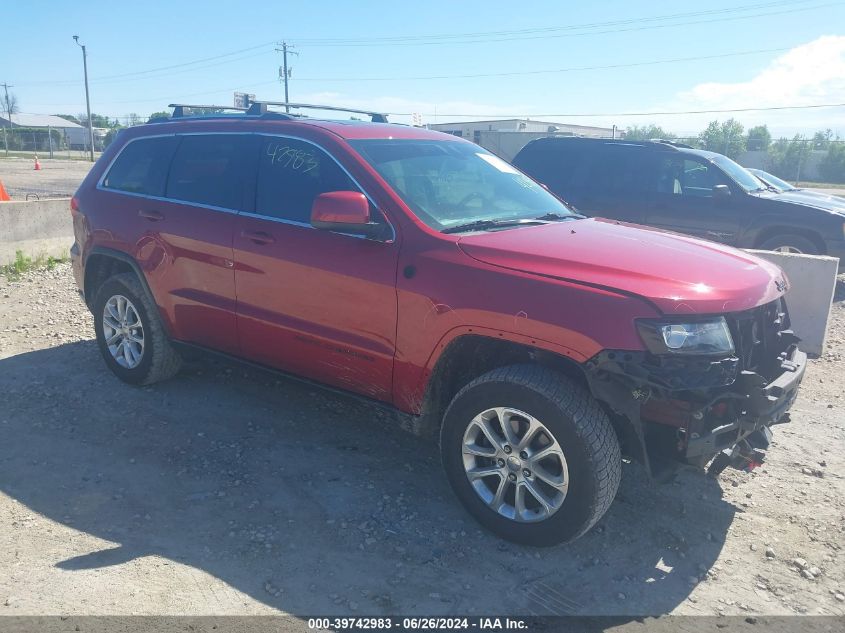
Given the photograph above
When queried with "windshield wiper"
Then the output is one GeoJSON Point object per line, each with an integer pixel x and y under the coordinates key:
{"type": "Point", "coordinates": [483, 225]}
{"type": "Point", "coordinates": [559, 216]}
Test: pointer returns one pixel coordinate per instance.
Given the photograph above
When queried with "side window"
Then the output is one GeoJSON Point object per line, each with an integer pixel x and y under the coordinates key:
{"type": "Point", "coordinates": [141, 167]}
{"type": "Point", "coordinates": [547, 163]}
{"type": "Point", "coordinates": [210, 169]}
{"type": "Point", "coordinates": [619, 171]}
{"type": "Point", "coordinates": [291, 174]}
{"type": "Point", "coordinates": [686, 177]}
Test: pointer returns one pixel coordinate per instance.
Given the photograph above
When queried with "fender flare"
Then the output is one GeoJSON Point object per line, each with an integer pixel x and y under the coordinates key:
{"type": "Point", "coordinates": [133, 264]}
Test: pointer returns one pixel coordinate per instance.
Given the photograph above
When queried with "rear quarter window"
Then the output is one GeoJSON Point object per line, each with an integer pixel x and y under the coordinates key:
{"type": "Point", "coordinates": [553, 164]}
{"type": "Point", "coordinates": [142, 166]}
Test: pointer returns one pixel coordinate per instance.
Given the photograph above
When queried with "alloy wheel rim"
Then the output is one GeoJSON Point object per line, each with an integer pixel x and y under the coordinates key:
{"type": "Point", "coordinates": [515, 465]}
{"type": "Point", "coordinates": [788, 249]}
{"type": "Point", "coordinates": [123, 331]}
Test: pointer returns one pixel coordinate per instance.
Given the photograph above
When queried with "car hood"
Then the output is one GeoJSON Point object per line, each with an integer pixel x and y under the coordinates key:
{"type": "Point", "coordinates": [831, 204]}
{"type": "Point", "coordinates": [676, 273]}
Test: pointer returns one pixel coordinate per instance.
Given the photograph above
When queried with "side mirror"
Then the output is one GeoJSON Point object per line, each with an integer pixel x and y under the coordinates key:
{"type": "Point", "coordinates": [721, 192]}
{"type": "Point", "coordinates": [344, 212]}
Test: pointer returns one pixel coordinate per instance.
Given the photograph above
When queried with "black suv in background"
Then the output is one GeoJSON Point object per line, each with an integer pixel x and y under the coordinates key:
{"type": "Point", "coordinates": [676, 187]}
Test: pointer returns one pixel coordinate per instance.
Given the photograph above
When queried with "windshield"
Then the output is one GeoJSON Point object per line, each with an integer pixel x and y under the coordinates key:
{"type": "Point", "coordinates": [772, 180]}
{"type": "Point", "coordinates": [738, 174]}
{"type": "Point", "coordinates": [449, 183]}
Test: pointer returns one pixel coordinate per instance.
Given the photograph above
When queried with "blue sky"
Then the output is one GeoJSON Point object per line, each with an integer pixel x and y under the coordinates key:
{"type": "Point", "coordinates": [802, 60]}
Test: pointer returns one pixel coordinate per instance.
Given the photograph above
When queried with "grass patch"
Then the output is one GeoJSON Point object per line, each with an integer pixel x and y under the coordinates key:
{"type": "Point", "coordinates": [24, 263]}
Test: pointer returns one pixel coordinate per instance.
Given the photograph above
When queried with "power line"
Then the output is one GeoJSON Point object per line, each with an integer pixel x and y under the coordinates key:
{"type": "Point", "coordinates": [505, 36]}
{"type": "Point", "coordinates": [133, 76]}
{"type": "Point", "coordinates": [511, 32]}
{"type": "Point", "coordinates": [467, 76]}
{"type": "Point", "coordinates": [609, 114]}
{"type": "Point", "coordinates": [551, 71]}
{"type": "Point", "coordinates": [498, 36]}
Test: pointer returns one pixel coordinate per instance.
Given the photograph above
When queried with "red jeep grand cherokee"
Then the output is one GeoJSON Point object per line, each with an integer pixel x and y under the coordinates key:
{"type": "Point", "coordinates": [418, 270]}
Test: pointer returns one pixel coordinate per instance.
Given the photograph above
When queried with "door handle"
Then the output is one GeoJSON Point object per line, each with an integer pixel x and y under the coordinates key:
{"type": "Point", "coordinates": [258, 237]}
{"type": "Point", "coordinates": [152, 216]}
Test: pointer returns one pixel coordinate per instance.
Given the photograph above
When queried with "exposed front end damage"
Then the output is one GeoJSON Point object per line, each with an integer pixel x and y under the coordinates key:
{"type": "Point", "coordinates": [692, 408]}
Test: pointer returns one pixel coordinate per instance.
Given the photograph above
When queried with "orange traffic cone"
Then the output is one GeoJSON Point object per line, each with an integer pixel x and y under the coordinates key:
{"type": "Point", "coordinates": [4, 195]}
{"type": "Point", "coordinates": [37, 164]}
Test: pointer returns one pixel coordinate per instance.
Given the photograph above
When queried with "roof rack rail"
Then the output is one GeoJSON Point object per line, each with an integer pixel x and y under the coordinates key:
{"type": "Point", "coordinates": [179, 108]}
{"type": "Point", "coordinates": [260, 107]}
{"type": "Point", "coordinates": [667, 141]}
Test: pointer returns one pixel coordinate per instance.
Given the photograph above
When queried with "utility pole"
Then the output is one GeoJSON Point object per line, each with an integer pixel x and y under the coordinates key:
{"type": "Point", "coordinates": [285, 70]}
{"type": "Point", "coordinates": [87, 98]}
{"type": "Point", "coordinates": [9, 114]}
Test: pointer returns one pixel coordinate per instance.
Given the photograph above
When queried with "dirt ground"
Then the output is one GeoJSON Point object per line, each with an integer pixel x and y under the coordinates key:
{"type": "Point", "coordinates": [56, 178]}
{"type": "Point", "coordinates": [230, 491]}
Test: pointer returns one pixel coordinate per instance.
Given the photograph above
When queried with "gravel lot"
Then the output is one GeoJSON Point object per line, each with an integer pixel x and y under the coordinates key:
{"type": "Point", "coordinates": [56, 178]}
{"type": "Point", "coordinates": [231, 491]}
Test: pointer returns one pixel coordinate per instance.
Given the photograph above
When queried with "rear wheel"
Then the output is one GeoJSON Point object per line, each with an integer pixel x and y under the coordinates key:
{"type": "Point", "coordinates": [130, 334]}
{"type": "Point", "coordinates": [531, 455]}
{"type": "Point", "coordinates": [790, 243]}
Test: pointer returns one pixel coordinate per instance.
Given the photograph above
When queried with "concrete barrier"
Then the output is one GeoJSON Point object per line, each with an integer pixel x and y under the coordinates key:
{"type": "Point", "coordinates": [37, 227]}
{"type": "Point", "coordinates": [812, 280]}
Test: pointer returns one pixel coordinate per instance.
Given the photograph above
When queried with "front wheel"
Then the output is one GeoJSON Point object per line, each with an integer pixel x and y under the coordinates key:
{"type": "Point", "coordinates": [789, 243]}
{"type": "Point", "coordinates": [531, 455]}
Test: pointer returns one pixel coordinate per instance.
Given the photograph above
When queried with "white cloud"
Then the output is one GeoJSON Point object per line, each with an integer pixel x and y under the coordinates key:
{"type": "Point", "coordinates": [812, 73]}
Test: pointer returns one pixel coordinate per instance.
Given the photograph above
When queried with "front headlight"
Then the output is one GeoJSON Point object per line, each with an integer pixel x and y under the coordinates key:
{"type": "Point", "coordinates": [696, 337]}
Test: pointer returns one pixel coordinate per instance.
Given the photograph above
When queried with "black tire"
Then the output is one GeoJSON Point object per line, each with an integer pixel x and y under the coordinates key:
{"type": "Point", "coordinates": [797, 243]}
{"type": "Point", "coordinates": [577, 422]}
{"type": "Point", "coordinates": [158, 361]}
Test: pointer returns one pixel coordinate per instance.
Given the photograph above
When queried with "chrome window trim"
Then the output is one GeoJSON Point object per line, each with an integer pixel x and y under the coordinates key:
{"type": "Point", "coordinates": [258, 216]}
{"type": "Point", "coordinates": [251, 214]}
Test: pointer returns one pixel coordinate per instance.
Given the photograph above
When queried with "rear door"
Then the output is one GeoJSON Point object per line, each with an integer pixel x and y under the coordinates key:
{"type": "Point", "coordinates": [600, 179]}
{"type": "Point", "coordinates": [682, 199]}
{"type": "Point", "coordinates": [311, 302]}
{"type": "Point", "coordinates": [613, 182]}
{"type": "Point", "coordinates": [179, 196]}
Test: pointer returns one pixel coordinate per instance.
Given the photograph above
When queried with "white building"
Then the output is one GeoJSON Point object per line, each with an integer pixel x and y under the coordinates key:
{"type": "Point", "coordinates": [76, 136]}
{"type": "Point", "coordinates": [506, 137]}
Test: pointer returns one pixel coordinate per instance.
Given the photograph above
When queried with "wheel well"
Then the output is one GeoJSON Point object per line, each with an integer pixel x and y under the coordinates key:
{"type": "Point", "coordinates": [470, 356]}
{"type": "Point", "coordinates": [98, 268]}
{"type": "Point", "coordinates": [770, 232]}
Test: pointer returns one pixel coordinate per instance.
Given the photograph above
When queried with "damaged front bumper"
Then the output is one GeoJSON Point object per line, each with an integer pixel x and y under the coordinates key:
{"type": "Point", "coordinates": [761, 404]}
{"type": "Point", "coordinates": [692, 409]}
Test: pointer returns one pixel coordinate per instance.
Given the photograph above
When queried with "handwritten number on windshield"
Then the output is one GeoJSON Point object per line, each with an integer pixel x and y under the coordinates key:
{"type": "Point", "coordinates": [292, 158]}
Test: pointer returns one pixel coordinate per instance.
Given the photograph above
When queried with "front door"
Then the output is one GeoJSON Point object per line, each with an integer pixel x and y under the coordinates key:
{"type": "Point", "coordinates": [311, 302]}
{"type": "Point", "coordinates": [683, 200]}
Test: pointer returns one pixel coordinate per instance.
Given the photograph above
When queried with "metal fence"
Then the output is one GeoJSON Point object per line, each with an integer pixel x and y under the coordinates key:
{"type": "Point", "coordinates": [46, 142]}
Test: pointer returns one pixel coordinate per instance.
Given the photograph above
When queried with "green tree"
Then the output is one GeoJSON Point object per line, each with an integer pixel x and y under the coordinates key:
{"type": "Point", "coordinates": [759, 138]}
{"type": "Point", "coordinates": [97, 120]}
{"type": "Point", "coordinates": [787, 158]}
{"type": "Point", "coordinates": [69, 117]}
{"type": "Point", "coordinates": [726, 138]}
{"type": "Point", "coordinates": [822, 139]}
{"type": "Point", "coordinates": [159, 115]}
{"type": "Point", "coordinates": [832, 166]}
{"type": "Point", "coordinates": [646, 132]}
